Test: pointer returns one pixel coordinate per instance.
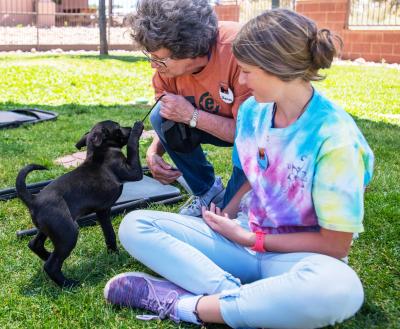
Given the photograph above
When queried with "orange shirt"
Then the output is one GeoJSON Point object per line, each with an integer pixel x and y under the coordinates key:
{"type": "Point", "coordinates": [216, 88]}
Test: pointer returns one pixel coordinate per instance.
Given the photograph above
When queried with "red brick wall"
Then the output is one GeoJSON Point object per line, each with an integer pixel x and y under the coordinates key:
{"type": "Point", "coordinates": [372, 45]}
{"type": "Point", "coordinates": [227, 12]}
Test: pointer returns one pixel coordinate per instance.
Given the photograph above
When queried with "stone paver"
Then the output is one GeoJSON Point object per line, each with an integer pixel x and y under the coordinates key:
{"type": "Point", "coordinates": [75, 159]}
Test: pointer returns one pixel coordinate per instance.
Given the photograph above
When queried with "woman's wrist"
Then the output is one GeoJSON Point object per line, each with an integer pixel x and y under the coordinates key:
{"type": "Point", "coordinates": [250, 239]}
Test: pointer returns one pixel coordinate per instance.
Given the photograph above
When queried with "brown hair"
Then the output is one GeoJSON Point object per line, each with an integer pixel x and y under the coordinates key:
{"type": "Point", "coordinates": [286, 44]}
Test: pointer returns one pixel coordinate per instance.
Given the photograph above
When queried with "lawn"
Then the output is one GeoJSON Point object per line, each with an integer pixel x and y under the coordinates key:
{"type": "Point", "coordinates": [84, 89]}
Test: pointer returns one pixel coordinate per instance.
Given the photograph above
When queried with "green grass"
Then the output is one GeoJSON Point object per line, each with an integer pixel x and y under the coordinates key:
{"type": "Point", "coordinates": [85, 89]}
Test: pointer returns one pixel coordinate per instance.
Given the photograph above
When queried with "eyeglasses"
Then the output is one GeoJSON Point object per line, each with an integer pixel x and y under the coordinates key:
{"type": "Point", "coordinates": [159, 61]}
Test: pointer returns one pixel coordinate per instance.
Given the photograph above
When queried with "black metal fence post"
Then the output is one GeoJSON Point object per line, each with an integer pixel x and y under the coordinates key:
{"type": "Point", "coordinates": [36, 23]}
{"type": "Point", "coordinates": [110, 10]}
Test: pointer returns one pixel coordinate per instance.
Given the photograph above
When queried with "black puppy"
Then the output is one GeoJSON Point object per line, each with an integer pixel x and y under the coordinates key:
{"type": "Point", "coordinates": [94, 186]}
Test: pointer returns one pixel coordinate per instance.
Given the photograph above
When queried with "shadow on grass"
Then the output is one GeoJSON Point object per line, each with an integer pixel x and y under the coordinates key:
{"type": "Point", "coordinates": [44, 142]}
{"type": "Point", "coordinates": [95, 267]}
{"type": "Point", "coordinates": [384, 140]}
{"type": "Point", "coordinates": [380, 135]}
{"type": "Point", "coordinates": [74, 116]}
{"type": "Point", "coordinates": [123, 58]}
{"type": "Point", "coordinates": [76, 109]}
{"type": "Point", "coordinates": [375, 313]}
{"type": "Point", "coordinates": [90, 269]}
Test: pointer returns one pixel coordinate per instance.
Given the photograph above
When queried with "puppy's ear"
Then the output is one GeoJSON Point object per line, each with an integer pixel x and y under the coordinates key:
{"type": "Point", "coordinates": [96, 138]}
{"type": "Point", "coordinates": [82, 142]}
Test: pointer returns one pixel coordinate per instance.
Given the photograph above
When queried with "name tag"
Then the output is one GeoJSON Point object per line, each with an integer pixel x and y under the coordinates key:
{"type": "Point", "coordinates": [226, 95]}
{"type": "Point", "coordinates": [262, 158]}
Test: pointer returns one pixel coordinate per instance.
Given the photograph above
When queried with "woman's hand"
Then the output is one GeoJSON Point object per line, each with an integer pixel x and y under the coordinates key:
{"type": "Point", "coordinates": [228, 228]}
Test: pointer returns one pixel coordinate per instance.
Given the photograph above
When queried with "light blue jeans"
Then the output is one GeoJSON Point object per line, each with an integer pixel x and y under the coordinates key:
{"type": "Point", "coordinates": [256, 290]}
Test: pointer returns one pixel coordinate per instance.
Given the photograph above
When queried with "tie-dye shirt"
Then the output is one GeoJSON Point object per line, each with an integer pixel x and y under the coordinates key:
{"type": "Point", "coordinates": [308, 175]}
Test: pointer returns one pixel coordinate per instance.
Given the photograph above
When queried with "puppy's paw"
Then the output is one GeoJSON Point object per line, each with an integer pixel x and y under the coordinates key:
{"type": "Point", "coordinates": [69, 283]}
{"type": "Point", "coordinates": [137, 128]}
{"type": "Point", "coordinates": [113, 250]}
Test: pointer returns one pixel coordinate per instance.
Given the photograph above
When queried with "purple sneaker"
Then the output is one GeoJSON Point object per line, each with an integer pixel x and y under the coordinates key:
{"type": "Point", "coordinates": [140, 290]}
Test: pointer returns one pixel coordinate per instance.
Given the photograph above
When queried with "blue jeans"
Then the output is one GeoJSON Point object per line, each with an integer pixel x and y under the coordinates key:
{"type": "Point", "coordinates": [197, 171]}
{"type": "Point", "coordinates": [256, 290]}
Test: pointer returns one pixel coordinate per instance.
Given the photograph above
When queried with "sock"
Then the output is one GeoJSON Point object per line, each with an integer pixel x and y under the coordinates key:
{"type": "Point", "coordinates": [186, 306]}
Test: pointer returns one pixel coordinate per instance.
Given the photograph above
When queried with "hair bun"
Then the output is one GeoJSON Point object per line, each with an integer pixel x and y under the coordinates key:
{"type": "Point", "coordinates": [322, 49]}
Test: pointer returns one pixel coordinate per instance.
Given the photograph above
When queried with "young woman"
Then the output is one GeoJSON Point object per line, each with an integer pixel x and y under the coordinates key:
{"type": "Point", "coordinates": [278, 264]}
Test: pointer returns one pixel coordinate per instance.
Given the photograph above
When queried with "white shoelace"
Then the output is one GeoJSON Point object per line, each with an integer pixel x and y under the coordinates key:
{"type": "Point", "coordinates": [193, 202]}
{"type": "Point", "coordinates": [164, 309]}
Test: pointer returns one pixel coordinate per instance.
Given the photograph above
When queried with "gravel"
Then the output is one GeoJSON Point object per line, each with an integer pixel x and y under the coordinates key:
{"type": "Point", "coordinates": [28, 35]}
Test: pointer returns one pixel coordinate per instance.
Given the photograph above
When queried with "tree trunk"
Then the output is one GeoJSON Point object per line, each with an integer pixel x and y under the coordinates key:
{"type": "Point", "coordinates": [103, 28]}
{"type": "Point", "coordinates": [275, 4]}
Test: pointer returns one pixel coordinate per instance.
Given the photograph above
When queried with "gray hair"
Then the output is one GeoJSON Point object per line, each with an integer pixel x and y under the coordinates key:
{"type": "Point", "coordinates": [286, 44]}
{"type": "Point", "coordinates": [188, 28]}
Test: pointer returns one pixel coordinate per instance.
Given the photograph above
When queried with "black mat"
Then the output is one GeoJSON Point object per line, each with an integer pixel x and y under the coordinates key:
{"type": "Point", "coordinates": [17, 117]}
{"type": "Point", "coordinates": [134, 195]}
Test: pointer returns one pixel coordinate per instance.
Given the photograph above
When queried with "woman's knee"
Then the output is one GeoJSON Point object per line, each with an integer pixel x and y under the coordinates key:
{"type": "Point", "coordinates": [155, 118]}
{"type": "Point", "coordinates": [132, 227]}
{"type": "Point", "coordinates": [345, 294]}
{"type": "Point", "coordinates": [337, 295]}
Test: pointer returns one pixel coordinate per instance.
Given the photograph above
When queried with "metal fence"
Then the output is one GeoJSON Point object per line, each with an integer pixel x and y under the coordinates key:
{"type": "Point", "coordinates": [384, 13]}
{"type": "Point", "coordinates": [73, 24]}
{"type": "Point", "coordinates": [46, 24]}
{"type": "Point", "coordinates": [252, 8]}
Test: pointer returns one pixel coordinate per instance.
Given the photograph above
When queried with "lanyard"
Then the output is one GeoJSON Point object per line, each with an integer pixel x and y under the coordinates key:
{"type": "Point", "coordinates": [158, 99]}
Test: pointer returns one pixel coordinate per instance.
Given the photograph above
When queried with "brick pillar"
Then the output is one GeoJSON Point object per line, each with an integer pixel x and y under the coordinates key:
{"type": "Point", "coordinates": [372, 45]}
{"type": "Point", "coordinates": [46, 13]}
{"type": "Point", "coordinates": [227, 12]}
{"type": "Point", "coordinates": [331, 14]}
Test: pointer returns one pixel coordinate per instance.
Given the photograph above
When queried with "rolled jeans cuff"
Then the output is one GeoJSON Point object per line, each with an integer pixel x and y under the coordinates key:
{"type": "Point", "coordinates": [229, 308]}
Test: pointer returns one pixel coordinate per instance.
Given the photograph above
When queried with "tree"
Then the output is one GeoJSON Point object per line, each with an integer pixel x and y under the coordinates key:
{"type": "Point", "coordinates": [103, 28]}
{"type": "Point", "coordinates": [275, 4]}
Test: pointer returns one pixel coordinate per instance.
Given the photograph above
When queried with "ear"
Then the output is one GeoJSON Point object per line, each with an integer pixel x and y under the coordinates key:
{"type": "Point", "coordinates": [96, 138]}
{"type": "Point", "coordinates": [82, 142]}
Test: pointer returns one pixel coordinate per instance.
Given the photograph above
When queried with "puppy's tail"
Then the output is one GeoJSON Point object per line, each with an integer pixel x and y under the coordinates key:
{"type": "Point", "coordinates": [20, 185]}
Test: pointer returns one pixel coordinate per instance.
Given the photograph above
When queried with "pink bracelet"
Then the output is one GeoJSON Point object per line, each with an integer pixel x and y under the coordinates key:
{"type": "Point", "coordinates": [259, 244]}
